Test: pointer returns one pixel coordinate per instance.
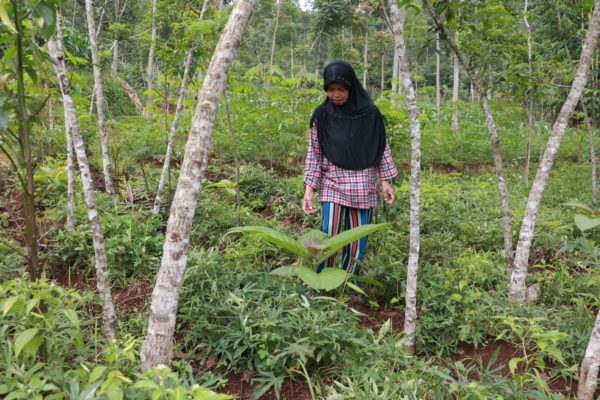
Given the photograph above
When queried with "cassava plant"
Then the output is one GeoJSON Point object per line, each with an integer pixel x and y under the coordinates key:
{"type": "Point", "coordinates": [313, 248]}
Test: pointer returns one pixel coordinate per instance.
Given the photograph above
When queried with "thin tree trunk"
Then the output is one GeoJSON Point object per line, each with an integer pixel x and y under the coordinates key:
{"type": "Point", "coordinates": [410, 313]}
{"type": "Point", "coordinates": [167, 162]}
{"type": "Point", "coordinates": [131, 93]}
{"type": "Point", "coordinates": [588, 375]}
{"type": "Point", "coordinates": [438, 95]}
{"type": "Point", "coordinates": [382, 80]}
{"type": "Point", "coordinates": [519, 275]}
{"type": "Point", "coordinates": [471, 92]}
{"type": "Point", "coordinates": [115, 56]}
{"type": "Point", "coordinates": [98, 89]}
{"type": "Point", "coordinates": [529, 99]}
{"type": "Point", "coordinates": [454, 126]}
{"type": "Point", "coordinates": [51, 117]}
{"type": "Point", "coordinates": [58, 59]}
{"type": "Point", "coordinates": [491, 125]}
{"type": "Point", "coordinates": [158, 345]}
{"type": "Point", "coordinates": [26, 162]}
{"type": "Point", "coordinates": [366, 53]}
{"type": "Point", "coordinates": [274, 37]}
{"type": "Point", "coordinates": [150, 70]}
{"type": "Point", "coordinates": [395, 72]}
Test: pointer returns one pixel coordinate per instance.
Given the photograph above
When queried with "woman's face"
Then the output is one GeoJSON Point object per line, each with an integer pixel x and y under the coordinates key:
{"type": "Point", "coordinates": [338, 94]}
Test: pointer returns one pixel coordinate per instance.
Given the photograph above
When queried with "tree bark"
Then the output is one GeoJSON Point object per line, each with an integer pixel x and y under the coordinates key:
{"type": "Point", "coordinates": [98, 89]}
{"type": "Point", "coordinates": [115, 56]}
{"type": "Point", "coordinates": [167, 161]}
{"type": "Point", "coordinates": [131, 93]}
{"type": "Point", "coordinates": [274, 37]}
{"type": "Point", "coordinates": [491, 125]}
{"type": "Point", "coordinates": [158, 345]}
{"type": "Point", "coordinates": [150, 70]}
{"type": "Point", "coordinates": [588, 374]}
{"type": "Point", "coordinates": [366, 52]}
{"type": "Point", "coordinates": [454, 126]}
{"type": "Point", "coordinates": [395, 72]}
{"type": "Point", "coordinates": [438, 86]}
{"type": "Point", "coordinates": [410, 313]}
{"type": "Point", "coordinates": [519, 275]}
{"type": "Point", "coordinates": [382, 76]}
{"type": "Point", "coordinates": [529, 99]}
{"type": "Point", "coordinates": [58, 59]}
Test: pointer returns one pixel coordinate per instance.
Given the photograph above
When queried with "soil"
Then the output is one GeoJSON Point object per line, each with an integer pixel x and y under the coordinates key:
{"type": "Point", "coordinates": [374, 318]}
{"type": "Point", "coordinates": [133, 298]}
{"type": "Point", "coordinates": [239, 385]}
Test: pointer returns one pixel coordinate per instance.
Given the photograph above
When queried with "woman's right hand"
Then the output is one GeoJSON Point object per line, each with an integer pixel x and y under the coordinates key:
{"type": "Point", "coordinates": [307, 202]}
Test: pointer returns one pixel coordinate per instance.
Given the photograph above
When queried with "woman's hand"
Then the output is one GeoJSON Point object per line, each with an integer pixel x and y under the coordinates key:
{"type": "Point", "coordinates": [307, 202]}
{"type": "Point", "coordinates": [388, 192]}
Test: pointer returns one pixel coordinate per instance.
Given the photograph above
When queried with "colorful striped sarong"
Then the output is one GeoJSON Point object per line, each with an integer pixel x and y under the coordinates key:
{"type": "Point", "coordinates": [337, 218]}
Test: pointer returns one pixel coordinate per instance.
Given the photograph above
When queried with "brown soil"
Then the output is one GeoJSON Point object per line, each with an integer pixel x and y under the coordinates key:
{"type": "Point", "coordinates": [374, 318]}
{"type": "Point", "coordinates": [133, 298]}
{"type": "Point", "coordinates": [240, 386]}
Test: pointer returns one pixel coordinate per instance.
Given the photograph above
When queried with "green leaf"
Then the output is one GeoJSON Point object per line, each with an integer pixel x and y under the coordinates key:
{"type": "Point", "coordinates": [24, 338]}
{"type": "Point", "coordinates": [585, 223]}
{"type": "Point", "coordinates": [5, 18]}
{"type": "Point", "coordinates": [8, 304]}
{"type": "Point", "coordinates": [114, 392]}
{"type": "Point", "coordinates": [582, 207]}
{"type": "Point", "coordinates": [356, 288]}
{"type": "Point", "coordinates": [366, 279]}
{"type": "Point", "coordinates": [72, 316]}
{"type": "Point", "coordinates": [287, 271]}
{"type": "Point", "coordinates": [512, 364]}
{"type": "Point", "coordinates": [336, 242]}
{"type": "Point", "coordinates": [328, 279]}
{"type": "Point", "coordinates": [97, 373]}
{"type": "Point", "coordinates": [271, 235]}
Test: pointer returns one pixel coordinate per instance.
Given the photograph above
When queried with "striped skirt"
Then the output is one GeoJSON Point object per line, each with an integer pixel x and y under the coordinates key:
{"type": "Point", "coordinates": [338, 218]}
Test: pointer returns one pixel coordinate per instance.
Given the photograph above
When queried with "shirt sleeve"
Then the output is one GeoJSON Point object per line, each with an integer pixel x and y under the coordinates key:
{"type": "Point", "coordinates": [386, 168]}
{"type": "Point", "coordinates": [314, 159]}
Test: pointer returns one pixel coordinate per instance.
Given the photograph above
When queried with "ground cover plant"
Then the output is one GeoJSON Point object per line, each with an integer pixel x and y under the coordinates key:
{"type": "Point", "coordinates": [253, 320]}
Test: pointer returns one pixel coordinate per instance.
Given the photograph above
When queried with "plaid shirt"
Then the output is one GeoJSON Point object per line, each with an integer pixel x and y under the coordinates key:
{"type": "Point", "coordinates": [350, 188]}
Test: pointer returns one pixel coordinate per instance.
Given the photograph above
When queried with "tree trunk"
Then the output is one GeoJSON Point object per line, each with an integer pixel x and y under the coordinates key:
{"type": "Point", "coordinates": [366, 53]}
{"type": "Point", "coordinates": [158, 345]}
{"type": "Point", "coordinates": [167, 162]}
{"type": "Point", "coordinates": [517, 281]}
{"type": "Point", "coordinates": [529, 99]}
{"type": "Point", "coordinates": [131, 93]}
{"type": "Point", "coordinates": [98, 89]}
{"type": "Point", "coordinates": [588, 375]}
{"type": "Point", "coordinates": [410, 313]}
{"type": "Point", "coordinates": [26, 159]}
{"type": "Point", "coordinates": [395, 72]}
{"type": "Point", "coordinates": [274, 37]}
{"type": "Point", "coordinates": [438, 95]}
{"type": "Point", "coordinates": [58, 59]}
{"type": "Point", "coordinates": [150, 70]}
{"type": "Point", "coordinates": [454, 126]}
{"type": "Point", "coordinates": [382, 78]}
{"type": "Point", "coordinates": [115, 56]}
{"type": "Point", "coordinates": [491, 125]}
{"type": "Point", "coordinates": [51, 117]}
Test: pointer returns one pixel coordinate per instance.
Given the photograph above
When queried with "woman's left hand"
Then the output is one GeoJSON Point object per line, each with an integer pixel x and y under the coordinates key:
{"type": "Point", "coordinates": [388, 192]}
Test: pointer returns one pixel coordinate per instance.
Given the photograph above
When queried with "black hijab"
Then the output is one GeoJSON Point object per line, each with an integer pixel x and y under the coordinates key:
{"type": "Point", "coordinates": [352, 135]}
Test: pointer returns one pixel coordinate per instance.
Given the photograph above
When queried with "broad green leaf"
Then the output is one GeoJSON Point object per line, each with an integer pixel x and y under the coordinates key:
{"type": "Point", "coordinates": [5, 18]}
{"type": "Point", "coordinates": [287, 271]}
{"type": "Point", "coordinates": [271, 235]}
{"type": "Point", "coordinates": [146, 384]}
{"type": "Point", "coordinates": [8, 304]}
{"type": "Point", "coordinates": [97, 373]}
{"type": "Point", "coordinates": [328, 279]}
{"type": "Point", "coordinates": [33, 345]}
{"type": "Point", "coordinates": [30, 304]}
{"type": "Point", "coordinates": [313, 234]}
{"type": "Point", "coordinates": [24, 338]}
{"type": "Point", "coordinates": [585, 223]}
{"type": "Point", "coordinates": [336, 242]}
{"type": "Point", "coordinates": [114, 392]}
{"type": "Point", "coordinates": [89, 391]}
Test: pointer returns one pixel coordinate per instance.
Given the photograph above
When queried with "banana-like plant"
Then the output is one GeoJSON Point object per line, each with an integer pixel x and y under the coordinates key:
{"type": "Point", "coordinates": [314, 247]}
{"type": "Point", "coordinates": [584, 222]}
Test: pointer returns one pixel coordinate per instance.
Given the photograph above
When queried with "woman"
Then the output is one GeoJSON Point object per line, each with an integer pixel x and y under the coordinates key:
{"type": "Point", "coordinates": [347, 156]}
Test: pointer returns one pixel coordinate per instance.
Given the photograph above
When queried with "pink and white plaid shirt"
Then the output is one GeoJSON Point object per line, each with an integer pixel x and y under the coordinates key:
{"type": "Point", "coordinates": [350, 188]}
